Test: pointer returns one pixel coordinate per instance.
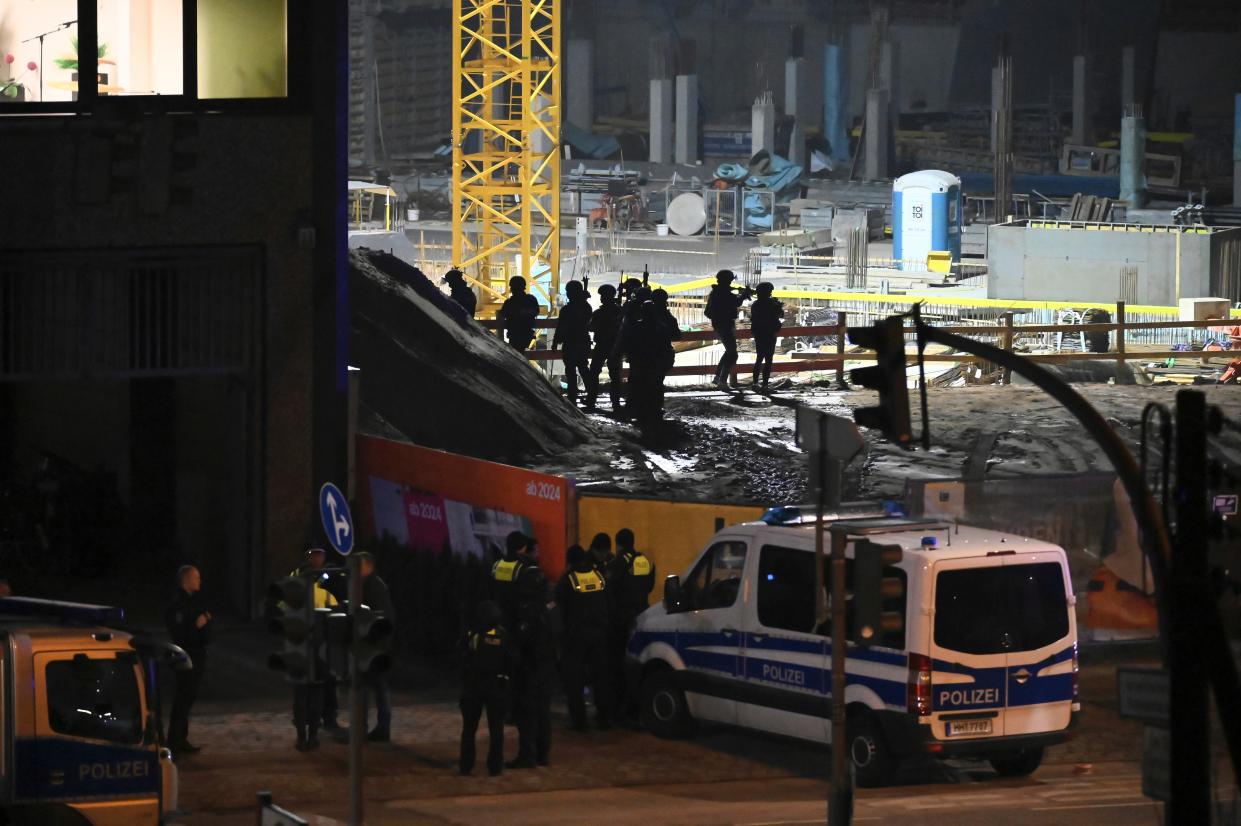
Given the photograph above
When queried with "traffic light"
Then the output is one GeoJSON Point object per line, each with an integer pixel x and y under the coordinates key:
{"type": "Point", "coordinates": [371, 637]}
{"type": "Point", "coordinates": [891, 416]}
{"type": "Point", "coordinates": [873, 592]}
{"type": "Point", "coordinates": [296, 624]}
{"type": "Point", "coordinates": [339, 635]}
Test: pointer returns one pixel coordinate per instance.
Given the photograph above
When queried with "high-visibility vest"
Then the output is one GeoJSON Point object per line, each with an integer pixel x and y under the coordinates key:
{"type": "Point", "coordinates": [637, 563]}
{"type": "Point", "coordinates": [586, 582]}
{"type": "Point", "coordinates": [323, 597]}
{"type": "Point", "coordinates": [507, 570]}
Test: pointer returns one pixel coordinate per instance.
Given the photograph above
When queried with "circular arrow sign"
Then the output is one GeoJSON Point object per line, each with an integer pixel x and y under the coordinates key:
{"type": "Point", "coordinates": [337, 521]}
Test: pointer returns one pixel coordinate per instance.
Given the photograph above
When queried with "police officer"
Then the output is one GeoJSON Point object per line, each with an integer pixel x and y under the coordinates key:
{"type": "Point", "coordinates": [460, 291]}
{"type": "Point", "coordinates": [581, 597]}
{"type": "Point", "coordinates": [375, 595]}
{"type": "Point", "coordinates": [520, 588]}
{"type": "Point", "coordinates": [722, 308]}
{"type": "Point", "coordinates": [649, 330]}
{"type": "Point", "coordinates": [573, 335]}
{"type": "Point", "coordinates": [631, 580]}
{"type": "Point", "coordinates": [484, 685]}
{"type": "Point", "coordinates": [766, 317]}
{"type": "Point", "coordinates": [189, 626]}
{"type": "Point", "coordinates": [601, 554]}
{"type": "Point", "coordinates": [518, 313]}
{"type": "Point", "coordinates": [314, 701]}
{"type": "Point", "coordinates": [605, 324]}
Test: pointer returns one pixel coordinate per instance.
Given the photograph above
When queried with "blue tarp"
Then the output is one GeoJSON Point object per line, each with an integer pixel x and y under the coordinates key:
{"type": "Point", "coordinates": [781, 177]}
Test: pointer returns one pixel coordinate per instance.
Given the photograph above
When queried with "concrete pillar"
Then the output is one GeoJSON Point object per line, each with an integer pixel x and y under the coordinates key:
{"type": "Point", "coordinates": [1128, 78]}
{"type": "Point", "coordinates": [1236, 151]}
{"type": "Point", "coordinates": [795, 105]}
{"type": "Point", "coordinates": [889, 78]}
{"type": "Point", "coordinates": [1132, 157]}
{"type": "Point", "coordinates": [370, 101]}
{"type": "Point", "coordinates": [662, 123]}
{"type": "Point", "coordinates": [687, 119]}
{"type": "Point", "coordinates": [877, 125]}
{"type": "Point", "coordinates": [579, 83]}
{"type": "Point", "coordinates": [835, 92]}
{"type": "Point", "coordinates": [1081, 112]}
{"type": "Point", "coordinates": [997, 93]}
{"type": "Point", "coordinates": [763, 124]}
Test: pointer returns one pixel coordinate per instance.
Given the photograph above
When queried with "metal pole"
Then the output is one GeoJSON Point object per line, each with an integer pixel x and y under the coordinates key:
{"type": "Point", "coordinates": [820, 608]}
{"type": "Point", "coordinates": [357, 713]}
{"type": "Point", "coordinates": [1190, 727]}
{"type": "Point", "coordinates": [840, 801]}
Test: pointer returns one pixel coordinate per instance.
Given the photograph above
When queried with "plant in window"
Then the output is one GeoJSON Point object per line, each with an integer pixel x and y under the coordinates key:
{"type": "Point", "coordinates": [71, 63]}
{"type": "Point", "coordinates": [11, 87]}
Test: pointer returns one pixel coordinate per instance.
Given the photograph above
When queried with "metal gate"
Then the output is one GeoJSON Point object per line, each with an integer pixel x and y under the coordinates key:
{"type": "Point", "coordinates": [175, 311]}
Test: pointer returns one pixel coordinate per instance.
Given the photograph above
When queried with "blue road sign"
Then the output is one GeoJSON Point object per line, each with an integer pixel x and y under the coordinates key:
{"type": "Point", "coordinates": [337, 523]}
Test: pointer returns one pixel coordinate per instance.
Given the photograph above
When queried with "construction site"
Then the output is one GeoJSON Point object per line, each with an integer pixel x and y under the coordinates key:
{"type": "Point", "coordinates": [1075, 200]}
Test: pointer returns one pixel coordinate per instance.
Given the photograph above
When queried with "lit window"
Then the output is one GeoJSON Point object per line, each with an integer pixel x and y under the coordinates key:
{"type": "Point", "coordinates": [34, 35]}
{"type": "Point", "coordinates": [243, 49]}
{"type": "Point", "coordinates": [140, 47]}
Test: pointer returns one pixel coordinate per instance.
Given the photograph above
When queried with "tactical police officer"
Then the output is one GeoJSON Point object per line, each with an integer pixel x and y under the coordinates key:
{"type": "Point", "coordinates": [518, 313]}
{"type": "Point", "coordinates": [581, 597]}
{"type": "Point", "coordinates": [766, 318]}
{"type": "Point", "coordinates": [461, 292]}
{"type": "Point", "coordinates": [573, 335]}
{"type": "Point", "coordinates": [722, 308]}
{"type": "Point", "coordinates": [605, 324]}
{"type": "Point", "coordinates": [648, 332]}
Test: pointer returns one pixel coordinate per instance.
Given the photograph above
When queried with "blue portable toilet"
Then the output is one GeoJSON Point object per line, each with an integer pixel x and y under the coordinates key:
{"type": "Point", "coordinates": [926, 215]}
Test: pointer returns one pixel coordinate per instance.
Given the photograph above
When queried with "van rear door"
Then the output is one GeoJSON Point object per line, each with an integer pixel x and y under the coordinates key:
{"type": "Point", "coordinates": [969, 661]}
{"type": "Point", "coordinates": [1042, 643]}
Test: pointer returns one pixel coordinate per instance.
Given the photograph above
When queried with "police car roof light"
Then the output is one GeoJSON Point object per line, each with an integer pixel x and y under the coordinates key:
{"type": "Point", "coordinates": [930, 542]}
{"type": "Point", "coordinates": [62, 611]}
{"type": "Point", "coordinates": [782, 515]}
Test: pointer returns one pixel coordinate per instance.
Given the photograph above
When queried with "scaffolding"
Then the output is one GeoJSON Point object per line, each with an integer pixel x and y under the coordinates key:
{"type": "Point", "coordinates": [506, 144]}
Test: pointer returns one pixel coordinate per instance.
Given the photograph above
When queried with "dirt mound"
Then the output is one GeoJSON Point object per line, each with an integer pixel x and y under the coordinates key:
{"type": "Point", "coordinates": [440, 379]}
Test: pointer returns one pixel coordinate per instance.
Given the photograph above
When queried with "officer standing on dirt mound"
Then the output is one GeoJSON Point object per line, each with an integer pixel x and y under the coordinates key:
{"type": "Point", "coordinates": [573, 336]}
{"type": "Point", "coordinates": [605, 324]}
{"type": "Point", "coordinates": [648, 333]}
{"type": "Point", "coordinates": [518, 313]}
{"type": "Point", "coordinates": [460, 291]}
{"type": "Point", "coordinates": [766, 317]}
{"type": "Point", "coordinates": [722, 308]}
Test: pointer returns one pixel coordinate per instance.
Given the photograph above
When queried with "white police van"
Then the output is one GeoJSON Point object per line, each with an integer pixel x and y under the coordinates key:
{"type": "Point", "coordinates": [985, 665]}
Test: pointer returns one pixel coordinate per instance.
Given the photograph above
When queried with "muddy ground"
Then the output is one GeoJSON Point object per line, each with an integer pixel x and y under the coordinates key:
{"type": "Point", "coordinates": [740, 447]}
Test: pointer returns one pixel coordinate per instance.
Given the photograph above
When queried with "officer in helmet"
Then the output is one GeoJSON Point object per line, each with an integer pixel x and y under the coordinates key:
{"type": "Point", "coordinates": [517, 314]}
{"type": "Point", "coordinates": [573, 338]}
{"type": "Point", "coordinates": [461, 292]}
{"type": "Point", "coordinates": [605, 324]}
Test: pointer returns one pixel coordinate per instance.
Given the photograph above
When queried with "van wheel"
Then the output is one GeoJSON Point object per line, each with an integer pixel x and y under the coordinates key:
{"type": "Point", "coordinates": [873, 761]}
{"type": "Point", "coordinates": [1017, 763]}
{"type": "Point", "coordinates": [664, 711]}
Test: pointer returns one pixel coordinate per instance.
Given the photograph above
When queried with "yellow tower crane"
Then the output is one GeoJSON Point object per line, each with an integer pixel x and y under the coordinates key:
{"type": "Point", "coordinates": [506, 146]}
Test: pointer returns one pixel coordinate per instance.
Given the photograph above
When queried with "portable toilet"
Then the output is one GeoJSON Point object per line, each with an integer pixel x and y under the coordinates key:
{"type": "Point", "coordinates": [926, 216]}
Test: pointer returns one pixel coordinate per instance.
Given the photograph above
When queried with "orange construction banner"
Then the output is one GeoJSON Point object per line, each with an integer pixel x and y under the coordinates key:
{"type": "Point", "coordinates": [432, 500]}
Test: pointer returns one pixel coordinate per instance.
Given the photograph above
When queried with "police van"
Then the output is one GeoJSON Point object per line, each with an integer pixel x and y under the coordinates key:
{"type": "Point", "coordinates": [80, 733]}
{"type": "Point", "coordinates": [985, 664]}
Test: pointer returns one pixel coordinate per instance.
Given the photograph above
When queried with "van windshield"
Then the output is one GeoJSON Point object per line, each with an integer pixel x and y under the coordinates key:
{"type": "Point", "coordinates": [94, 698]}
{"type": "Point", "coordinates": [1001, 609]}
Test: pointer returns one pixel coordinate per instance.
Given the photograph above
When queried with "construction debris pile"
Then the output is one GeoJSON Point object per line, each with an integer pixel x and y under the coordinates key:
{"type": "Point", "coordinates": [432, 376]}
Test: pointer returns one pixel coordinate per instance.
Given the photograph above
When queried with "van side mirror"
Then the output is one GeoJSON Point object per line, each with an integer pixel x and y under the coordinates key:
{"type": "Point", "coordinates": [674, 596]}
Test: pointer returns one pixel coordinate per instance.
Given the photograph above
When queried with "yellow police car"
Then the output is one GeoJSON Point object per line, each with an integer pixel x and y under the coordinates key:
{"type": "Point", "coordinates": [81, 741]}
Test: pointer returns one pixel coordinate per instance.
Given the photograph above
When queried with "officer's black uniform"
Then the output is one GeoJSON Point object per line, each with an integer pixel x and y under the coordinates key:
{"type": "Point", "coordinates": [181, 619]}
{"type": "Point", "coordinates": [766, 317]}
{"type": "Point", "coordinates": [460, 292]}
{"type": "Point", "coordinates": [484, 686]}
{"type": "Point", "coordinates": [722, 307]}
{"type": "Point", "coordinates": [519, 586]}
{"type": "Point", "coordinates": [573, 335]}
{"type": "Point", "coordinates": [631, 579]}
{"type": "Point", "coordinates": [518, 313]}
{"type": "Point", "coordinates": [605, 324]}
{"type": "Point", "coordinates": [581, 596]}
{"type": "Point", "coordinates": [649, 331]}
